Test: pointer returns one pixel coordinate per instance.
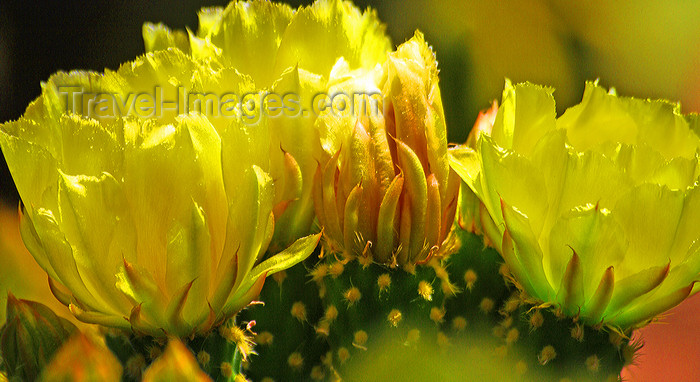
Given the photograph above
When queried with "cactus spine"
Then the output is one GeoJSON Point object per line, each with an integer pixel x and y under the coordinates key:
{"type": "Point", "coordinates": [220, 353]}
{"type": "Point", "coordinates": [354, 308]}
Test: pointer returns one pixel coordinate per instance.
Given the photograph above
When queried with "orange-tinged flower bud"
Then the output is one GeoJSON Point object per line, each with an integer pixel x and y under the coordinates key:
{"type": "Point", "coordinates": [385, 189]}
{"type": "Point", "coordinates": [81, 360]}
{"type": "Point", "coordinates": [472, 215]}
{"type": "Point", "coordinates": [30, 336]}
{"type": "Point", "coordinates": [176, 364]}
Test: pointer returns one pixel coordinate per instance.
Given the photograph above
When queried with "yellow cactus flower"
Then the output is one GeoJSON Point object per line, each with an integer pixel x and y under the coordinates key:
{"type": "Point", "coordinates": [145, 219]}
{"type": "Point", "coordinates": [594, 212]}
{"type": "Point", "coordinates": [264, 39]}
{"type": "Point", "coordinates": [385, 190]}
{"type": "Point", "coordinates": [284, 51]}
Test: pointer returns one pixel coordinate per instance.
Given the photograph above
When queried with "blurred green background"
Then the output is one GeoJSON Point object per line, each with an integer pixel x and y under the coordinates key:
{"type": "Point", "coordinates": [648, 49]}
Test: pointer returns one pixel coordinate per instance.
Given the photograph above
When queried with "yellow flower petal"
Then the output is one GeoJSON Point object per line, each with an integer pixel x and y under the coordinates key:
{"type": "Point", "coordinates": [603, 202]}
{"type": "Point", "coordinates": [526, 114]}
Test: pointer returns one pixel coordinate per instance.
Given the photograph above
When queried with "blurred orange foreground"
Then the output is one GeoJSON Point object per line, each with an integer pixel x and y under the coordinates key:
{"type": "Point", "coordinates": [671, 349]}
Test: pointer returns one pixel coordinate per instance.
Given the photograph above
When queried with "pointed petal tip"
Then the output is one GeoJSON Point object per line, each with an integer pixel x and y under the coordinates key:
{"type": "Point", "coordinates": [135, 312]}
{"type": "Point", "coordinates": [11, 297]}
{"type": "Point", "coordinates": [64, 297]}
{"type": "Point", "coordinates": [504, 206]}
